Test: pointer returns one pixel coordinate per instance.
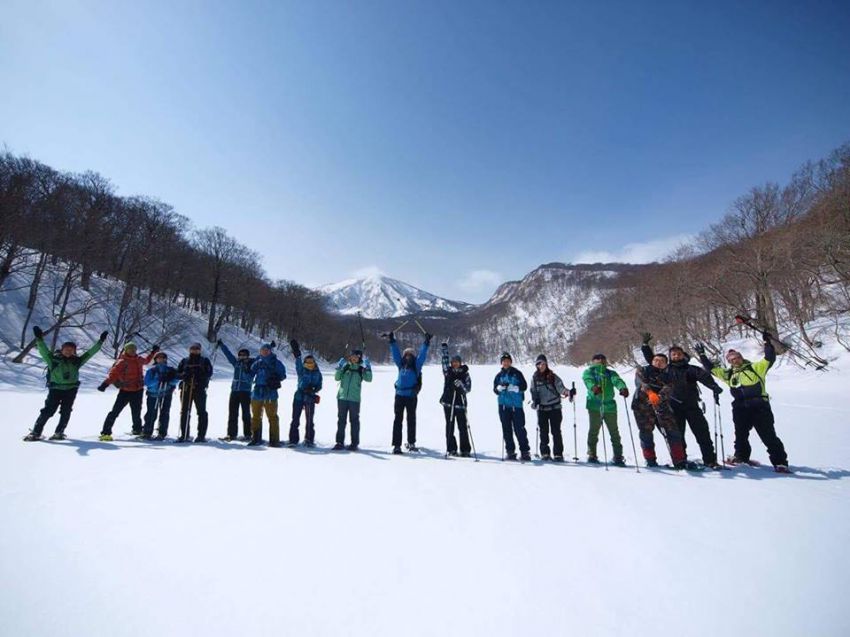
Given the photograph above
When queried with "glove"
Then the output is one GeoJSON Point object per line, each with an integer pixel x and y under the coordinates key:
{"type": "Point", "coordinates": [458, 383]}
{"type": "Point", "coordinates": [624, 392]}
{"type": "Point", "coordinates": [717, 389]}
{"type": "Point", "coordinates": [645, 337]}
{"type": "Point", "coordinates": [699, 348]}
{"type": "Point", "coordinates": [501, 388]}
{"type": "Point", "coordinates": [102, 386]}
{"type": "Point", "coordinates": [341, 363]}
{"type": "Point", "coordinates": [534, 406]}
{"type": "Point", "coordinates": [513, 388]}
{"type": "Point", "coordinates": [103, 336]}
{"type": "Point", "coordinates": [767, 337]}
{"type": "Point", "coordinates": [37, 331]}
{"type": "Point", "coordinates": [596, 390]}
{"type": "Point", "coordinates": [444, 347]}
{"type": "Point", "coordinates": [366, 362]}
{"type": "Point", "coordinates": [654, 398]}
{"type": "Point", "coordinates": [219, 343]}
{"type": "Point", "coordinates": [154, 349]}
{"type": "Point", "coordinates": [572, 392]}
{"type": "Point", "coordinates": [296, 350]}
{"type": "Point", "coordinates": [428, 338]}
{"type": "Point", "coordinates": [391, 337]}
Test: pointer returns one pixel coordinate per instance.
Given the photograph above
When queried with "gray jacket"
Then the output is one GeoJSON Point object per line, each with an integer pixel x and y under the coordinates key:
{"type": "Point", "coordinates": [546, 390]}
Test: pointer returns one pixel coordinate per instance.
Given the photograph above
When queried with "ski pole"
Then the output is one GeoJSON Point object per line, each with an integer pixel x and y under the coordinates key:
{"type": "Point", "coordinates": [362, 334]}
{"type": "Point", "coordinates": [815, 361]}
{"type": "Point", "coordinates": [537, 437]}
{"type": "Point", "coordinates": [419, 325]}
{"type": "Point", "coordinates": [452, 419]}
{"type": "Point", "coordinates": [469, 428]}
{"type": "Point", "coordinates": [602, 427]}
{"type": "Point", "coordinates": [575, 422]}
{"type": "Point", "coordinates": [720, 424]}
{"type": "Point", "coordinates": [631, 433]}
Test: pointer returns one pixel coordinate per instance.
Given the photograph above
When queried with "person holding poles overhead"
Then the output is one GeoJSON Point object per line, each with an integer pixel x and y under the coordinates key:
{"type": "Point", "coordinates": [194, 373]}
{"type": "Point", "coordinates": [407, 387]}
{"type": "Point", "coordinates": [456, 385]}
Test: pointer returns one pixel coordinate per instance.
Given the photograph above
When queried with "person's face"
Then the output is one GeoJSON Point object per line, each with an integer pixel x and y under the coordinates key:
{"type": "Point", "coordinates": [160, 361]}
{"type": "Point", "coordinates": [506, 362]}
{"type": "Point", "coordinates": [455, 364]}
{"type": "Point", "coordinates": [600, 361]}
{"type": "Point", "coordinates": [130, 350]}
{"type": "Point", "coordinates": [659, 362]}
{"type": "Point", "coordinates": [735, 359]}
{"type": "Point", "coordinates": [677, 355]}
{"type": "Point", "coordinates": [541, 367]}
{"type": "Point", "coordinates": [310, 364]}
{"type": "Point", "coordinates": [68, 351]}
{"type": "Point", "coordinates": [353, 359]}
{"type": "Point", "coordinates": [243, 356]}
{"type": "Point", "coordinates": [195, 351]}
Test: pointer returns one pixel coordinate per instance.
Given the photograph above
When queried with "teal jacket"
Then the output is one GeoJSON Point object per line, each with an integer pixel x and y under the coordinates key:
{"type": "Point", "coordinates": [608, 380]}
{"type": "Point", "coordinates": [350, 378]}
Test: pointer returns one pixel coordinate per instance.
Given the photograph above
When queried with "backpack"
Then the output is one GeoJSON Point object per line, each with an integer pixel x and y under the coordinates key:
{"type": "Point", "coordinates": [273, 380]}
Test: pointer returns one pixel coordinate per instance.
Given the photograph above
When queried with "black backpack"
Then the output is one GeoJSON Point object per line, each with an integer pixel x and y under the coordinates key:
{"type": "Point", "coordinates": [273, 380]}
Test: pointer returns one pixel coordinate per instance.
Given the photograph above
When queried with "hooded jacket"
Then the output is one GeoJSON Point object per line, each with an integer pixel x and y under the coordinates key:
{"type": "Point", "coordinates": [608, 380]}
{"type": "Point", "coordinates": [243, 375]}
{"type": "Point", "coordinates": [351, 377]}
{"type": "Point", "coordinates": [128, 372]}
{"type": "Point", "coordinates": [514, 385]}
{"type": "Point", "coordinates": [747, 383]}
{"type": "Point", "coordinates": [684, 378]}
{"type": "Point", "coordinates": [546, 390]}
{"type": "Point", "coordinates": [62, 372]}
{"type": "Point", "coordinates": [407, 383]}
{"type": "Point", "coordinates": [451, 392]}
{"type": "Point", "coordinates": [161, 379]}
{"type": "Point", "coordinates": [264, 368]}
{"type": "Point", "coordinates": [309, 381]}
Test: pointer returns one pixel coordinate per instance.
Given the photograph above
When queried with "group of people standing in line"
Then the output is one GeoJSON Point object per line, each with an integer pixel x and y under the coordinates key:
{"type": "Point", "coordinates": [666, 398]}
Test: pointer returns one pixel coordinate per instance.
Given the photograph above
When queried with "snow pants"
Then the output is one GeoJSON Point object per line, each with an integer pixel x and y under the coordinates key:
{"type": "Point", "coordinates": [257, 409]}
{"type": "Point", "coordinates": [513, 423]}
{"type": "Point", "coordinates": [551, 418]}
{"type": "Point", "coordinates": [648, 418]}
{"type": "Point", "coordinates": [61, 399]}
{"type": "Point", "coordinates": [158, 406]}
{"type": "Point", "coordinates": [124, 398]}
{"type": "Point", "coordinates": [596, 419]}
{"type": "Point", "coordinates": [348, 409]}
{"type": "Point", "coordinates": [239, 400]}
{"type": "Point", "coordinates": [405, 404]}
{"type": "Point", "coordinates": [693, 416]}
{"type": "Point", "coordinates": [458, 417]}
{"type": "Point", "coordinates": [308, 406]}
{"type": "Point", "coordinates": [190, 395]}
{"type": "Point", "coordinates": [758, 416]}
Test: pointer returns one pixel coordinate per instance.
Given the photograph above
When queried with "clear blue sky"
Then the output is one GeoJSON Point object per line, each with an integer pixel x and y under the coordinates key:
{"type": "Point", "coordinates": [449, 144]}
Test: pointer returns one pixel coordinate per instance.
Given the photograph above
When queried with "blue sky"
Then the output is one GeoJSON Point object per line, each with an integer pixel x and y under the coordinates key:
{"type": "Point", "coordinates": [452, 145]}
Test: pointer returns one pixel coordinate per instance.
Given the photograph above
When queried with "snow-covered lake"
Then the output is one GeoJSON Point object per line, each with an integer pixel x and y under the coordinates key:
{"type": "Point", "coordinates": [130, 538]}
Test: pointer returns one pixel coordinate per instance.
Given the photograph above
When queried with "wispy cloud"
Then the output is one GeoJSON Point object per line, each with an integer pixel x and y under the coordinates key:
{"type": "Point", "coordinates": [638, 252]}
{"type": "Point", "coordinates": [480, 280]}
{"type": "Point", "coordinates": [367, 271]}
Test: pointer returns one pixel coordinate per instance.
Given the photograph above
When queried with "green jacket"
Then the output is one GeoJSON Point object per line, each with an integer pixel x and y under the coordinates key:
{"type": "Point", "coordinates": [64, 373]}
{"type": "Point", "coordinates": [608, 380]}
{"type": "Point", "coordinates": [350, 378]}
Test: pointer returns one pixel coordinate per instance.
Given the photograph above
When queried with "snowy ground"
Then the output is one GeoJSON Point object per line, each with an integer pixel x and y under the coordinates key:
{"type": "Point", "coordinates": [127, 538]}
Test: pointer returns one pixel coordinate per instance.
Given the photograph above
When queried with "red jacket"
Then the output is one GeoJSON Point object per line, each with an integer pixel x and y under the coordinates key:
{"type": "Point", "coordinates": [128, 372]}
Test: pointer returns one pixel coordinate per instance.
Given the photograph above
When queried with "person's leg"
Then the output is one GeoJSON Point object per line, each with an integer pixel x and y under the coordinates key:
{"type": "Point", "coordinates": [680, 413]}
{"type": "Point", "coordinates": [203, 416]}
{"type": "Point", "coordinates": [136, 398]}
{"type": "Point", "coordinates": [274, 422]}
{"type": "Point", "coordinates": [256, 421]}
{"type": "Point", "coordinates": [451, 443]}
{"type": "Point", "coordinates": [297, 407]}
{"type": "Point", "coordinates": [310, 427]}
{"type": "Point", "coordinates": [151, 406]}
{"type": "Point", "coordinates": [398, 409]}
{"type": "Point", "coordinates": [411, 420]}
{"type": "Point", "coordinates": [614, 431]}
{"type": "Point", "coordinates": [354, 411]}
{"type": "Point", "coordinates": [341, 417]}
{"type": "Point", "coordinates": [245, 406]}
{"type": "Point", "coordinates": [766, 430]}
{"type": "Point", "coordinates": [555, 419]}
{"type": "Point", "coordinates": [667, 421]}
{"type": "Point", "coordinates": [518, 418]}
{"type": "Point", "coordinates": [645, 419]}
{"type": "Point", "coordinates": [462, 430]}
{"type": "Point", "coordinates": [233, 415]}
{"type": "Point", "coordinates": [66, 404]}
{"type": "Point", "coordinates": [699, 427]}
{"type": "Point", "coordinates": [51, 404]}
{"type": "Point", "coordinates": [120, 402]}
{"type": "Point", "coordinates": [742, 418]}
{"type": "Point", "coordinates": [543, 429]}
{"type": "Point", "coordinates": [164, 414]}
{"type": "Point", "coordinates": [595, 425]}
{"type": "Point", "coordinates": [507, 431]}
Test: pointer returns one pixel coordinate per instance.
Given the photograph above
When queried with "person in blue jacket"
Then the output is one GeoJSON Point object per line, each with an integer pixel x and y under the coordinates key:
{"type": "Point", "coordinates": [269, 373]}
{"type": "Point", "coordinates": [240, 393]}
{"type": "Point", "coordinates": [407, 388]}
{"type": "Point", "coordinates": [306, 396]}
{"type": "Point", "coordinates": [160, 382]}
{"type": "Point", "coordinates": [510, 385]}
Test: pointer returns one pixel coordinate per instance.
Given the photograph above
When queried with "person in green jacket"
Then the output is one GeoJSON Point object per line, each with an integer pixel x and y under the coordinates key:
{"type": "Point", "coordinates": [63, 379]}
{"type": "Point", "coordinates": [750, 402]}
{"type": "Point", "coordinates": [601, 381]}
{"type": "Point", "coordinates": [350, 375]}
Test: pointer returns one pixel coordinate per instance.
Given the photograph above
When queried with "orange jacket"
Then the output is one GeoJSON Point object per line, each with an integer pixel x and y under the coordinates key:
{"type": "Point", "coordinates": [128, 372]}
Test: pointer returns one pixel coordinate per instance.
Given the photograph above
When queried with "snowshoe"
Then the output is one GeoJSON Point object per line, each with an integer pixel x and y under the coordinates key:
{"type": "Point", "coordinates": [716, 466]}
{"type": "Point", "coordinates": [200, 439]}
{"type": "Point", "coordinates": [545, 457]}
{"type": "Point", "coordinates": [510, 456]}
{"type": "Point", "coordinates": [338, 447]}
{"type": "Point", "coordinates": [105, 437]}
{"type": "Point", "coordinates": [292, 444]}
{"type": "Point", "coordinates": [31, 437]}
{"type": "Point", "coordinates": [181, 440]}
{"type": "Point", "coordinates": [525, 457]}
{"type": "Point", "coordinates": [592, 460]}
{"type": "Point", "coordinates": [465, 454]}
{"type": "Point", "coordinates": [226, 439]}
{"type": "Point", "coordinates": [58, 436]}
{"type": "Point", "coordinates": [618, 461]}
{"type": "Point", "coordinates": [352, 447]}
{"type": "Point", "coordinates": [411, 447]}
{"type": "Point", "coordinates": [274, 444]}
{"type": "Point", "coordinates": [652, 464]}
{"type": "Point", "coordinates": [136, 432]}
{"type": "Point", "coordinates": [453, 454]}
{"type": "Point", "coordinates": [159, 437]}
{"type": "Point", "coordinates": [558, 458]}
{"type": "Point", "coordinates": [146, 437]}
{"type": "Point", "coordinates": [254, 443]}
{"type": "Point", "coordinates": [737, 461]}
{"type": "Point", "coordinates": [397, 451]}
{"type": "Point", "coordinates": [309, 444]}
{"type": "Point", "coordinates": [244, 438]}
{"type": "Point", "coordinates": [782, 468]}
{"type": "Point", "coordinates": [687, 465]}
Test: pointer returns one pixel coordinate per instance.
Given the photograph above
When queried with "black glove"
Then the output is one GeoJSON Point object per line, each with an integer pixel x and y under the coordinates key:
{"type": "Point", "coordinates": [444, 348]}
{"type": "Point", "coordinates": [37, 331]}
{"type": "Point", "coordinates": [296, 350]}
{"type": "Point", "coordinates": [103, 336]}
{"type": "Point", "coordinates": [273, 344]}
{"type": "Point", "coordinates": [624, 392]}
{"type": "Point", "coordinates": [428, 338]}
{"type": "Point", "coordinates": [219, 343]}
{"type": "Point", "coordinates": [391, 337]}
{"type": "Point", "coordinates": [155, 348]}
{"type": "Point", "coordinates": [645, 337]}
{"type": "Point", "coordinates": [767, 337]}
{"type": "Point", "coordinates": [102, 387]}
{"type": "Point", "coordinates": [699, 348]}
{"type": "Point", "coordinates": [717, 389]}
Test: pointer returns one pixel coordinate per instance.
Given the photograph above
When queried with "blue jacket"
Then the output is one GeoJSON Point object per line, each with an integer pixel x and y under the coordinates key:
{"type": "Point", "coordinates": [408, 375]}
{"type": "Point", "coordinates": [262, 368]}
{"type": "Point", "coordinates": [243, 375]}
{"type": "Point", "coordinates": [161, 377]}
{"type": "Point", "coordinates": [309, 382]}
{"type": "Point", "coordinates": [508, 377]}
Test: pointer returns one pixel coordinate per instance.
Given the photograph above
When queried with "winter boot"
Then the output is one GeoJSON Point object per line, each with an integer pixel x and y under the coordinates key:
{"type": "Point", "coordinates": [525, 456]}
{"type": "Point", "coordinates": [352, 447]}
{"type": "Point", "coordinates": [200, 439]}
{"type": "Point", "coordinates": [558, 458]}
{"type": "Point", "coordinates": [397, 451]}
{"type": "Point", "coordinates": [782, 468]}
{"type": "Point", "coordinates": [255, 442]}
{"type": "Point", "coordinates": [686, 465]}
{"type": "Point", "coordinates": [30, 437]}
{"type": "Point", "coordinates": [309, 444]}
{"type": "Point", "coordinates": [226, 439]}
{"type": "Point", "coordinates": [618, 461]}
{"type": "Point", "coordinates": [652, 463]}
{"type": "Point", "coordinates": [105, 437]}
{"type": "Point", "coordinates": [58, 436]}
{"type": "Point", "coordinates": [338, 447]}
{"type": "Point", "coordinates": [545, 456]}
{"type": "Point", "coordinates": [180, 440]}
{"type": "Point", "coordinates": [146, 437]}
{"type": "Point", "coordinates": [510, 456]}
{"type": "Point", "coordinates": [453, 454]}
{"type": "Point", "coordinates": [465, 454]}
{"type": "Point", "coordinates": [592, 460]}
{"type": "Point", "coordinates": [275, 444]}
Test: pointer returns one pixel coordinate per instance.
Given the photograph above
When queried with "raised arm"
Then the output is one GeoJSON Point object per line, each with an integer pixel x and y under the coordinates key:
{"type": "Point", "coordinates": [228, 354]}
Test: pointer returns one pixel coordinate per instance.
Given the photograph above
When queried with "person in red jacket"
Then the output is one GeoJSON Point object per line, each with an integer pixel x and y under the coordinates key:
{"type": "Point", "coordinates": [128, 375]}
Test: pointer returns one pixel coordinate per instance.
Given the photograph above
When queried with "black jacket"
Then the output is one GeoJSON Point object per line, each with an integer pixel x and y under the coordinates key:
{"type": "Point", "coordinates": [195, 370]}
{"type": "Point", "coordinates": [684, 378]}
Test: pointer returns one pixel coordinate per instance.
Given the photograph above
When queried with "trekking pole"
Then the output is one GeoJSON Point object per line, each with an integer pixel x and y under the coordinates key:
{"type": "Point", "coordinates": [189, 409]}
{"type": "Point", "coordinates": [575, 424]}
{"type": "Point", "coordinates": [631, 433]}
{"type": "Point", "coordinates": [160, 399]}
{"type": "Point", "coordinates": [362, 334]}
{"type": "Point", "coordinates": [452, 419]}
{"type": "Point", "coordinates": [602, 427]}
{"type": "Point", "coordinates": [537, 437]}
{"type": "Point", "coordinates": [815, 361]}
{"type": "Point", "coordinates": [720, 424]}
{"type": "Point", "coordinates": [469, 429]}
{"type": "Point", "coordinates": [419, 325]}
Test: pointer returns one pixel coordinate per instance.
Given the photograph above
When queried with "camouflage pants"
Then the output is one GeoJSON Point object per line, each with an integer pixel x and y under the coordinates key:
{"type": "Point", "coordinates": [648, 418]}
